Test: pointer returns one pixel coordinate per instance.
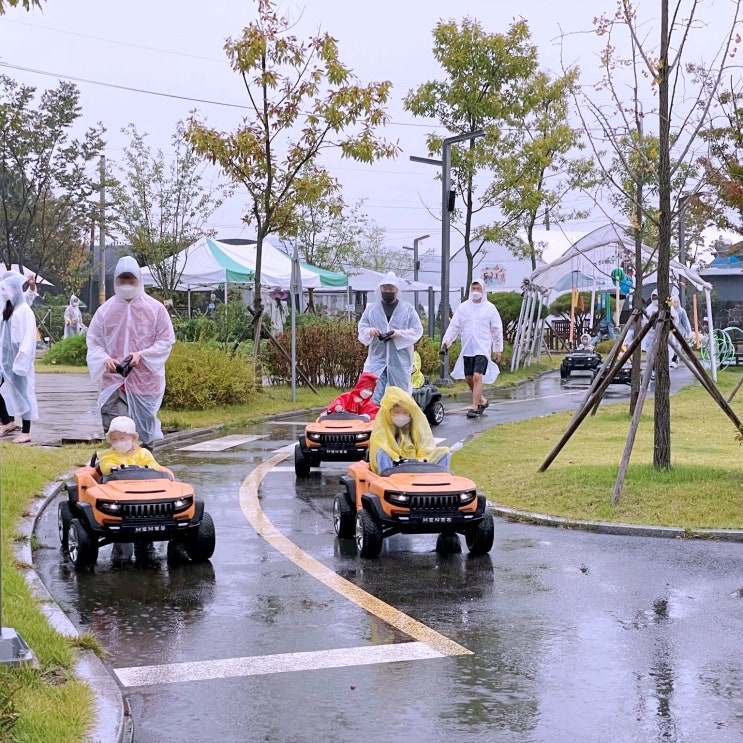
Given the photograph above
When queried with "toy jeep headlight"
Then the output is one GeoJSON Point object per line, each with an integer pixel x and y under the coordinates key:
{"type": "Point", "coordinates": [313, 436]}
{"type": "Point", "coordinates": [183, 503]}
{"type": "Point", "coordinates": [363, 436]}
{"type": "Point", "coordinates": [397, 498]}
{"type": "Point", "coordinates": [467, 496]}
{"type": "Point", "coordinates": [109, 507]}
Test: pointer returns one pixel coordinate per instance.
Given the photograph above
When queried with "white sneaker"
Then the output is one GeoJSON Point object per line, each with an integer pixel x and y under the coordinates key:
{"type": "Point", "coordinates": [674, 364]}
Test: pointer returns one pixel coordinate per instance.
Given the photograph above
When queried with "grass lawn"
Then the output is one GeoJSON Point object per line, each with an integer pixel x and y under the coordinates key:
{"type": "Point", "coordinates": [47, 703]}
{"type": "Point", "coordinates": [703, 488]}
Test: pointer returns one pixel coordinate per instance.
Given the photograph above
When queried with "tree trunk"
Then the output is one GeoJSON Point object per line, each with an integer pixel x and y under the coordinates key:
{"type": "Point", "coordinates": [662, 412]}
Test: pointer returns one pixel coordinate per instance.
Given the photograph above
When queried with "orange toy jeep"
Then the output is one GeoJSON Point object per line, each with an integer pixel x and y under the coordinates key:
{"type": "Point", "coordinates": [411, 497]}
{"type": "Point", "coordinates": [336, 437]}
{"type": "Point", "coordinates": [132, 504]}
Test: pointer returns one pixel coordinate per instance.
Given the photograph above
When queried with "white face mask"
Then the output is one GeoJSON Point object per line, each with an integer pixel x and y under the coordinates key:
{"type": "Point", "coordinates": [401, 419]}
{"type": "Point", "coordinates": [477, 296]}
{"type": "Point", "coordinates": [122, 446]}
{"type": "Point", "coordinates": [126, 291]}
{"type": "Point", "coordinates": [365, 394]}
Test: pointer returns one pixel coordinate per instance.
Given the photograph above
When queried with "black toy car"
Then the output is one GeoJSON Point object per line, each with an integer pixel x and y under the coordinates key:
{"type": "Point", "coordinates": [579, 360]}
{"type": "Point", "coordinates": [622, 376]}
{"type": "Point", "coordinates": [428, 398]}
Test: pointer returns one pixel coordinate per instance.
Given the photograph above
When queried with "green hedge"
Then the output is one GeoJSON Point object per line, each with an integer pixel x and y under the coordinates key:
{"type": "Point", "coordinates": [199, 376]}
{"type": "Point", "coordinates": [70, 351]}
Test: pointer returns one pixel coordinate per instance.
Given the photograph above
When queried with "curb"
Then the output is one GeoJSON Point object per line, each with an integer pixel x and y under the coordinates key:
{"type": "Point", "coordinates": [617, 529]}
{"type": "Point", "coordinates": [113, 723]}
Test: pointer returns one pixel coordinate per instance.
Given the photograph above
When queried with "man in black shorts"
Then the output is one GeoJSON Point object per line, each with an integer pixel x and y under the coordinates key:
{"type": "Point", "coordinates": [478, 323]}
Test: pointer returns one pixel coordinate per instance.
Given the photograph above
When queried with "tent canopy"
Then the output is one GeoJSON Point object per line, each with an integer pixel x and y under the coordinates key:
{"type": "Point", "coordinates": [25, 272]}
{"type": "Point", "coordinates": [209, 263]}
{"type": "Point", "coordinates": [595, 256]}
{"type": "Point", "coordinates": [366, 280]}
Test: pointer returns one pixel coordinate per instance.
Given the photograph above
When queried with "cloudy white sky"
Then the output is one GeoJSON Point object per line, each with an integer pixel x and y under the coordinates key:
{"type": "Point", "coordinates": [174, 48]}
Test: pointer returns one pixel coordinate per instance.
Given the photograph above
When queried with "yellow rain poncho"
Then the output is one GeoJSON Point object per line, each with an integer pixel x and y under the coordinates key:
{"type": "Point", "coordinates": [417, 377]}
{"type": "Point", "coordinates": [414, 441]}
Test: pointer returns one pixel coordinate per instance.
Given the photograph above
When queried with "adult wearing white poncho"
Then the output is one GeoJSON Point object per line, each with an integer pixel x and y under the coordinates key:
{"type": "Point", "coordinates": [479, 324]}
{"type": "Point", "coordinates": [390, 328]}
{"type": "Point", "coordinates": [130, 324]}
{"type": "Point", "coordinates": [17, 355]}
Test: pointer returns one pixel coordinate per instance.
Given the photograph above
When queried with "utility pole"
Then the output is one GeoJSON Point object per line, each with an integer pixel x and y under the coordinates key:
{"type": "Point", "coordinates": [682, 249]}
{"type": "Point", "coordinates": [416, 262]}
{"type": "Point", "coordinates": [447, 207]}
{"type": "Point", "coordinates": [102, 234]}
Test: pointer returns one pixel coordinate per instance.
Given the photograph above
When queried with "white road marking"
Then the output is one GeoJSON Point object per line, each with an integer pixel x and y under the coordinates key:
{"type": "Point", "coordinates": [222, 443]}
{"type": "Point", "coordinates": [251, 507]}
{"type": "Point", "coordinates": [280, 663]}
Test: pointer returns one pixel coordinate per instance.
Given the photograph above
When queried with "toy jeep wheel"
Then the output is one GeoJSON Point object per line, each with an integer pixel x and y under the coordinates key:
{"type": "Point", "coordinates": [480, 537]}
{"type": "Point", "coordinates": [83, 551]}
{"type": "Point", "coordinates": [200, 545]}
{"type": "Point", "coordinates": [64, 517]}
{"type": "Point", "coordinates": [435, 413]}
{"type": "Point", "coordinates": [368, 535]}
{"type": "Point", "coordinates": [301, 463]}
{"type": "Point", "coordinates": [344, 520]}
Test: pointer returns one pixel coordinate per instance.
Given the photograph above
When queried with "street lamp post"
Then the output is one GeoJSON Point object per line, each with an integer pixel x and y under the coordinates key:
{"type": "Point", "coordinates": [416, 262]}
{"type": "Point", "coordinates": [682, 248]}
{"type": "Point", "coordinates": [446, 209]}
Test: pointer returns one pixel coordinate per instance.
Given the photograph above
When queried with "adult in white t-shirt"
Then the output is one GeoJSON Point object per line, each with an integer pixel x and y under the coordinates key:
{"type": "Point", "coordinates": [478, 323]}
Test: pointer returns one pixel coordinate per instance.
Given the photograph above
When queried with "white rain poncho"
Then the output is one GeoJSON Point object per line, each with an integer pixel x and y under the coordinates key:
{"type": "Point", "coordinates": [18, 351]}
{"type": "Point", "coordinates": [481, 329]}
{"type": "Point", "coordinates": [30, 294]}
{"type": "Point", "coordinates": [73, 318]}
{"type": "Point", "coordinates": [120, 327]}
{"type": "Point", "coordinates": [395, 355]}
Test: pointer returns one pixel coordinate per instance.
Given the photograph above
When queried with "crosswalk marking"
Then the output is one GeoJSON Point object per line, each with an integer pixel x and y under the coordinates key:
{"type": "Point", "coordinates": [222, 443]}
{"type": "Point", "coordinates": [280, 663]}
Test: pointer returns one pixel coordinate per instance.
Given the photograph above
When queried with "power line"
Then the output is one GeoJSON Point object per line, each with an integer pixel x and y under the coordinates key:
{"type": "Point", "coordinates": [113, 41]}
{"type": "Point", "coordinates": [121, 87]}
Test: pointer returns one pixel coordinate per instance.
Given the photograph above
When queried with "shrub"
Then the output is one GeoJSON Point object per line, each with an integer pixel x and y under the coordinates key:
{"type": "Point", "coordinates": [428, 348]}
{"type": "Point", "coordinates": [328, 353]}
{"type": "Point", "coordinates": [70, 351]}
{"type": "Point", "coordinates": [199, 376]}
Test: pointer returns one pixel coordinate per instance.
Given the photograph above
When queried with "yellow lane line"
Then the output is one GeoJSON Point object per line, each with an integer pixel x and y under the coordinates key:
{"type": "Point", "coordinates": [251, 507]}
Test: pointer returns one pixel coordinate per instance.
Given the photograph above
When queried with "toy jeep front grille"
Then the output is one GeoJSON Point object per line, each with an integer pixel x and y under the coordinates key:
{"type": "Point", "coordinates": [434, 502]}
{"type": "Point", "coordinates": [343, 439]}
{"type": "Point", "coordinates": [147, 510]}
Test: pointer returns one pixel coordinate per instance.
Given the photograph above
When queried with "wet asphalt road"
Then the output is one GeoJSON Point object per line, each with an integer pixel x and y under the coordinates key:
{"type": "Point", "coordinates": [566, 636]}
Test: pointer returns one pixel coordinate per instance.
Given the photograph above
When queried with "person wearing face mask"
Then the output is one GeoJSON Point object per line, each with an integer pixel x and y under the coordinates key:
{"type": "Point", "coordinates": [358, 401]}
{"type": "Point", "coordinates": [17, 355]}
{"type": "Point", "coordinates": [390, 329]}
{"type": "Point", "coordinates": [401, 431]}
{"type": "Point", "coordinates": [124, 448]}
{"type": "Point", "coordinates": [73, 318]}
{"type": "Point", "coordinates": [130, 324]}
{"type": "Point", "coordinates": [478, 323]}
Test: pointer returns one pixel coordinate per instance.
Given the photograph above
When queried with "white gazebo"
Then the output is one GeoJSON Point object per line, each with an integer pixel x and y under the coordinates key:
{"type": "Point", "coordinates": [593, 263]}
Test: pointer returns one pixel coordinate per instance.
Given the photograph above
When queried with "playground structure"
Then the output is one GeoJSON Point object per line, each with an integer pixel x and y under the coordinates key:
{"type": "Point", "coordinates": [600, 262]}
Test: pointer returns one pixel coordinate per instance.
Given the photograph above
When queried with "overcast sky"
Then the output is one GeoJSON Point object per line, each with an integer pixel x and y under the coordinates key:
{"type": "Point", "coordinates": [174, 47]}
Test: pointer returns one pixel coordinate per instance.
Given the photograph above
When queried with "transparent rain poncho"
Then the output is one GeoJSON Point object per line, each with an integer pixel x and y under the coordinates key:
{"type": "Point", "coordinates": [396, 354]}
{"type": "Point", "coordinates": [118, 328]}
{"type": "Point", "coordinates": [18, 351]}
{"type": "Point", "coordinates": [414, 441]}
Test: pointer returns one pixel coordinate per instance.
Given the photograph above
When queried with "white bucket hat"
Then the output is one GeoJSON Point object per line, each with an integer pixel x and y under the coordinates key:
{"type": "Point", "coordinates": [122, 424]}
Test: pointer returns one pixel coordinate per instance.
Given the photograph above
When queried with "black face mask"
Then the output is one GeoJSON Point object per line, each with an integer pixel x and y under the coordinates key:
{"type": "Point", "coordinates": [389, 297]}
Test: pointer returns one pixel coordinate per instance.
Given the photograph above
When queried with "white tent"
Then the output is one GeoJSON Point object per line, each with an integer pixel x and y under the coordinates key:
{"type": "Point", "coordinates": [366, 280]}
{"type": "Point", "coordinates": [209, 263]}
{"type": "Point", "coordinates": [593, 258]}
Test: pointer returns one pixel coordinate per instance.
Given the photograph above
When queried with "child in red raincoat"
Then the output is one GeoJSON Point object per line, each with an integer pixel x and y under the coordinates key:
{"type": "Point", "coordinates": [358, 400]}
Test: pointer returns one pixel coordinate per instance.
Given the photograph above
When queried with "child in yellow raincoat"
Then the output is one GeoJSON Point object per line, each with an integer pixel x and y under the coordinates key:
{"type": "Point", "coordinates": [401, 431]}
{"type": "Point", "coordinates": [417, 379]}
{"type": "Point", "coordinates": [125, 450]}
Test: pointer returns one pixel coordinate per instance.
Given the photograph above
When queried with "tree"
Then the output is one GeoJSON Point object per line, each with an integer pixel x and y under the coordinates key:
{"type": "Point", "coordinates": [45, 175]}
{"type": "Point", "coordinates": [27, 4]}
{"type": "Point", "coordinates": [684, 95]}
{"type": "Point", "coordinates": [492, 82]}
{"type": "Point", "coordinates": [162, 208]}
{"type": "Point", "coordinates": [303, 101]}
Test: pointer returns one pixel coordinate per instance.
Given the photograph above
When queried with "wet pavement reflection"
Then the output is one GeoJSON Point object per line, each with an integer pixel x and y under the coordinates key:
{"type": "Point", "coordinates": [573, 636]}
